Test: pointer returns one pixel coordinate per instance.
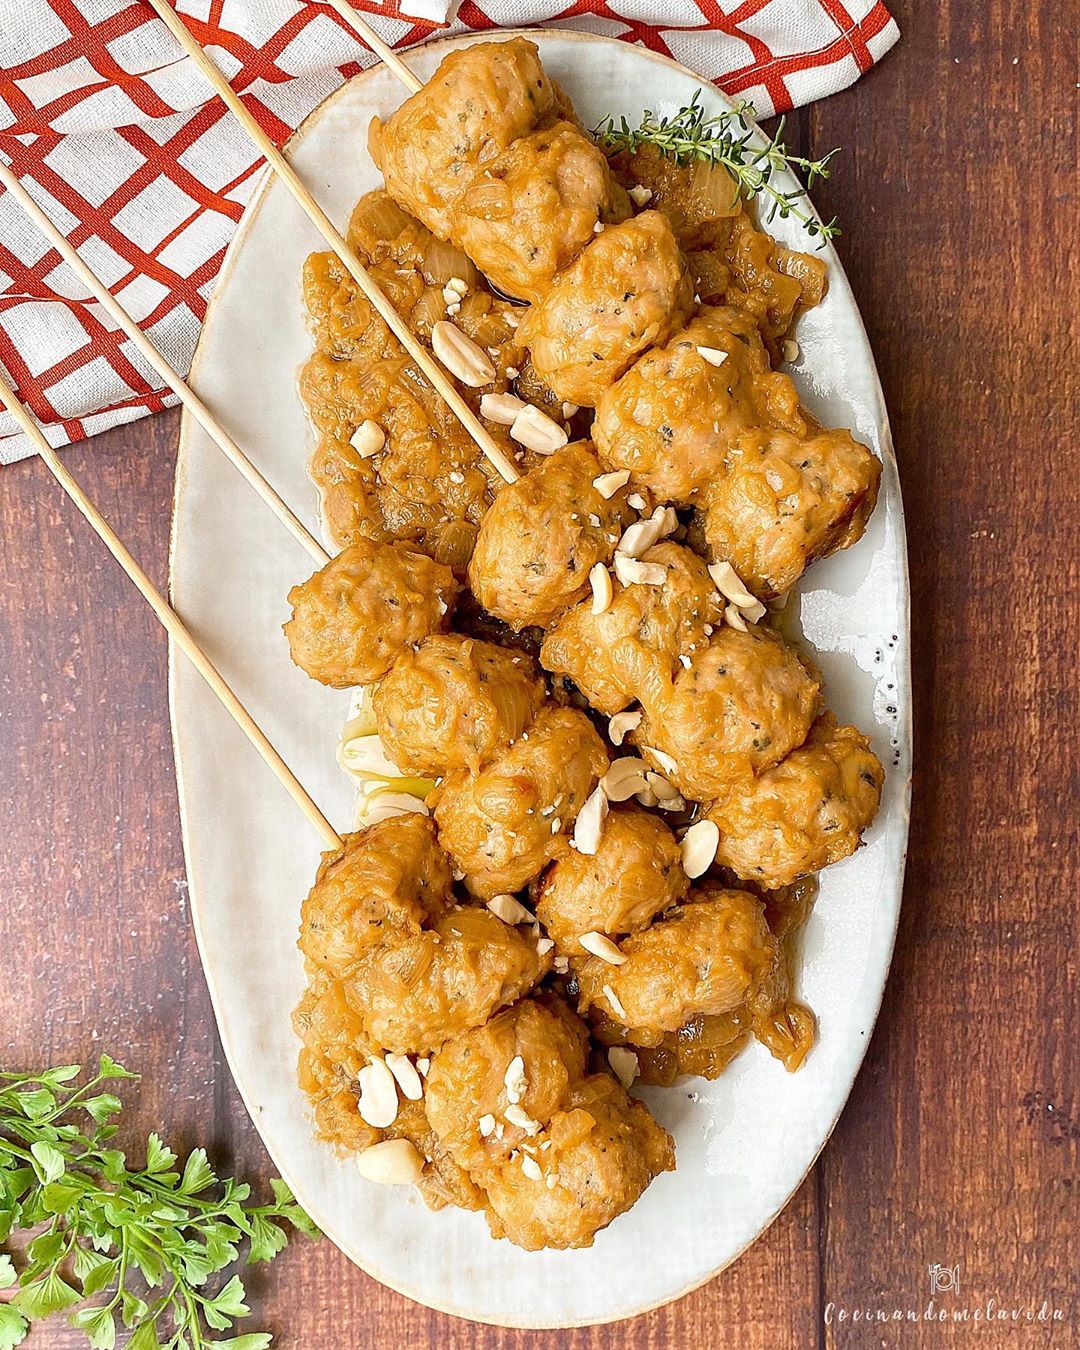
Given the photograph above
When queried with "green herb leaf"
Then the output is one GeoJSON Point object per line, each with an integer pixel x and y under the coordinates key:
{"type": "Point", "coordinates": [158, 1157]}
{"type": "Point", "coordinates": [13, 1327]}
{"type": "Point", "coordinates": [107, 1222]}
{"type": "Point", "coordinates": [58, 1197]}
{"type": "Point", "coordinates": [63, 1073]}
{"type": "Point", "coordinates": [45, 1296]}
{"type": "Point", "coordinates": [728, 139]}
{"type": "Point", "coordinates": [267, 1239]}
{"type": "Point", "coordinates": [49, 1159]}
{"type": "Point", "coordinates": [36, 1104]}
{"type": "Point", "coordinates": [197, 1174]}
{"type": "Point", "coordinates": [134, 1308]}
{"type": "Point", "coordinates": [99, 1325]}
{"type": "Point", "coordinates": [231, 1299]}
{"type": "Point", "coordinates": [108, 1068]}
{"type": "Point", "coordinates": [145, 1338]}
{"type": "Point", "coordinates": [102, 1106]}
{"type": "Point", "coordinates": [94, 1271]}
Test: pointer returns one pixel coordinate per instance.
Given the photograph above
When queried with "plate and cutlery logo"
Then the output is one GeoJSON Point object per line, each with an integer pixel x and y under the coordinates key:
{"type": "Point", "coordinates": [945, 1279]}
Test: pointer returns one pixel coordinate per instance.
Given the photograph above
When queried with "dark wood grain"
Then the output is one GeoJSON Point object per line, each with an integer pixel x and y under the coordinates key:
{"type": "Point", "coordinates": [959, 203]}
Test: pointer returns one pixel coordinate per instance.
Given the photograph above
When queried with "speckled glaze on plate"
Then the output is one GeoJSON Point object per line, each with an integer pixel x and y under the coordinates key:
{"type": "Point", "coordinates": [745, 1142]}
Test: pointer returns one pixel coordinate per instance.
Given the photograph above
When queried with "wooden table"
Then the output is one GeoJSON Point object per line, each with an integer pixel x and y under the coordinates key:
{"type": "Point", "coordinates": [959, 1144]}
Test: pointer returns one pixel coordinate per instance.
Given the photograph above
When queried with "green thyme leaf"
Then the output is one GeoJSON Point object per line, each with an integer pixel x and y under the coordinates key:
{"type": "Point", "coordinates": [727, 139]}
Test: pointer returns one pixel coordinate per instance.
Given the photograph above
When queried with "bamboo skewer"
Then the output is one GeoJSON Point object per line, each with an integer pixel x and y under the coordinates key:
{"type": "Point", "coordinates": [386, 54]}
{"type": "Point", "coordinates": [169, 618]}
{"type": "Point", "coordinates": [183, 391]}
{"type": "Point", "coordinates": [367, 284]}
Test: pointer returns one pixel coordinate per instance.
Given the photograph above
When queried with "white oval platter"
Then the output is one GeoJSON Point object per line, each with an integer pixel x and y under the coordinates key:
{"type": "Point", "coordinates": [745, 1142]}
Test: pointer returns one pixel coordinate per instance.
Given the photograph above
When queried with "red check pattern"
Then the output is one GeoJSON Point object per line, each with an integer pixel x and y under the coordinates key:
{"type": "Point", "coordinates": [110, 128]}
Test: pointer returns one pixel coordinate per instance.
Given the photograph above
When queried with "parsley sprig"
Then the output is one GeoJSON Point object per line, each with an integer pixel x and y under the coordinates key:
{"type": "Point", "coordinates": [138, 1246]}
{"type": "Point", "coordinates": [726, 139]}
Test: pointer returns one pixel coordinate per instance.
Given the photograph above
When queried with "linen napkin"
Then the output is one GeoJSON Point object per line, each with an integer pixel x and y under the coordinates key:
{"type": "Point", "coordinates": [126, 148]}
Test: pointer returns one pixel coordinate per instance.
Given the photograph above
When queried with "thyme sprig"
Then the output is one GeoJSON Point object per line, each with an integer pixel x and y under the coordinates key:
{"type": "Point", "coordinates": [726, 139]}
{"type": "Point", "coordinates": [136, 1245]}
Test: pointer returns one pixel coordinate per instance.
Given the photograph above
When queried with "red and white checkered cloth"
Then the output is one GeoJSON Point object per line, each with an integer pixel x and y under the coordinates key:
{"type": "Point", "coordinates": [119, 139]}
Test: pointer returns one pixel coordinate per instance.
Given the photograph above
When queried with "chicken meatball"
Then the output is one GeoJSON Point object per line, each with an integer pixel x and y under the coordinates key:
{"type": "Point", "coordinates": [414, 966]}
{"type": "Point", "coordinates": [743, 704]}
{"type": "Point", "coordinates": [804, 813]}
{"type": "Point", "coordinates": [334, 1044]}
{"type": "Point", "coordinates": [355, 616]}
{"type": "Point", "coordinates": [696, 197]}
{"type": "Point", "coordinates": [453, 702]}
{"type": "Point", "coordinates": [784, 502]}
{"type": "Point", "coordinates": [704, 958]}
{"type": "Point", "coordinates": [635, 645]}
{"type": "Point", "coordinates": [331, 1059]}
{"type": "Point", "coordinates": [635, 874]}
{"type": "Point", "coordinates": [705, 1045]}
{"type": "Point", "coordinates": [385, 883]}
{"type": "Point", "coordinates": [558, 1153]}
{"type": "Point", "coordinates": [502, 824]}
{"type": "Point", "coordinates": [444, 979]}
{"type": "Point", "coordinates": [542, 535]}
{"type": "Point", "coordinates": [675, 414]}
{"type": "Point", "coordinates": [480, 100]}
{"type": "Point", "coordinates": [629, 290]}
{"type": "Point", "coordinates": [534, 209]}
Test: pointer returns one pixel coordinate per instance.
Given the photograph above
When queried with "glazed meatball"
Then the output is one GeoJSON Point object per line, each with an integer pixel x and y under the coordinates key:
{"type": "Point", "coordinates": [453, 702]}
{"type": "Point", "coordinates": [635, 873]}
{"type": "Point", "coordinates": [705, 1045]}
{"type": "Point", "coordinates": [804, 813]}
{"type": "Point", "coordinates": [674, 416]}
{"type": "Point", "coordinates": [444, 979]}
{"type": "Point", "coordinates": [355, 616]}
{"type": "Point", "coordinates": [770, 282]}
{"type": "Point", "coordinates": [480, 100]}
{"type": "Point", "coordinates": [732, 261]}
{"type": "Point", "coordinates": [635, 645]}
{"type": "Point", "coordinates": [414, 966]}
{"type": "Point", "coordinates": [559, 1153]}
{"type": "Point", "coordinates": [784, 502]}
{"type": "Point", "coordinates": [541, 536]}
{"type": "Point", "coordinates": [704, 958]}
{"type": "Point", "coordinates": [334, 1043]}
{"type": "Point", "coordinates": [534, 209]}
{"type": "Point", "coordinates": [330, 1062]}
{"type": "Point", "coordinates": [743, 704]}
{"type": "Point", "coordinates": [696, 197]}
{"type": "Point", "coordinates": [386, 883]}
{"type": "Point", "coordinates": [502, 824]}
{"type": "Point", "coordinates": [629, 290]}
